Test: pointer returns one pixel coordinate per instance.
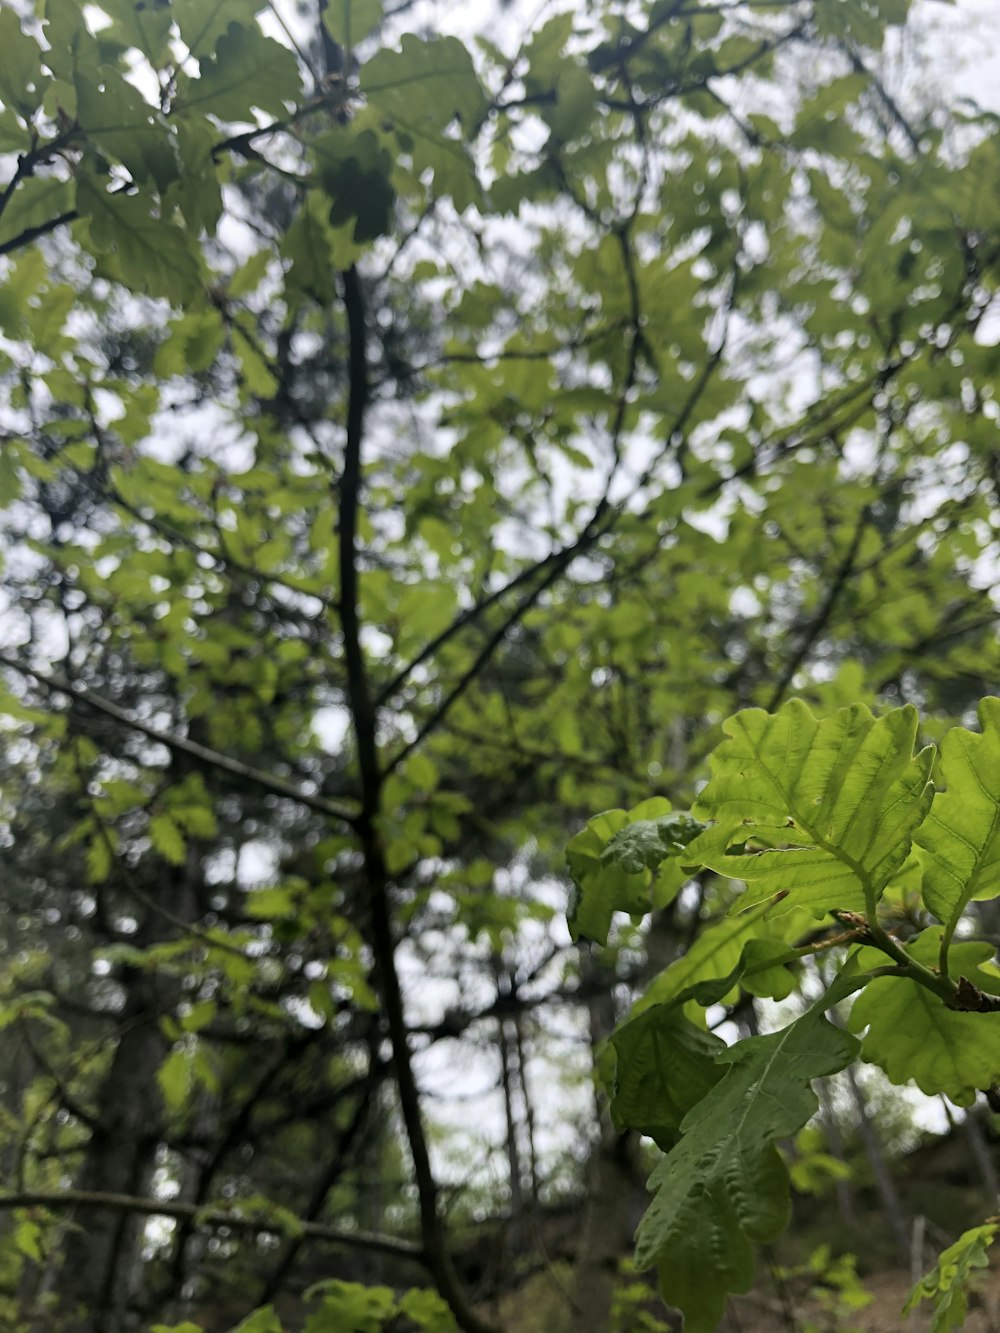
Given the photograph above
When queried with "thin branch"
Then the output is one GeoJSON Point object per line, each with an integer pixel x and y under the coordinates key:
{"type": "Point", "coordinates": [30, 234]}
{"type": "Point", "coordinates": [56, 684]}
{"type": "Point", "coordinates": [363, 719]}
{"type": "Point", "coordinates": [822, 618]}
{"type": "Point", "coordinates": [212, 1217]}
{"type": "Point", "coordinates": [558, 563]}
{"type": "Point", "coordinates": [362, 709]}
{"type": "Point", "coordinates": [884, 96]}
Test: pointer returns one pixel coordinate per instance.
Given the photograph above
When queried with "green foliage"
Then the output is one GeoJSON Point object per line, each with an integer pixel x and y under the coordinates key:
{"type": "Point", "coordinates": [819, 812]}
{"type": "Point", "coordinates": [724, 1187]}
{"type": "Point", "coordinates": [617, 864]}
{"type": "Point", "coordinates": [960, 838]}
{"type": "Point", "coordinates": [665, 1065]}
{"type": "Point", "coordinates": [915, 1038]}
{"type": "Point", "coordinates": [263, 1320]}
{"type": "Point", "coordinates": [950, 1280]}
{"type": "Point", "coordinates": [351, 1307]}
{"type": "Point", "coordinates": [844, 799]}
{"type": "Point", "coordinates": [833, 1283]}
{"type": "Point", "coordinates": [343, 637]}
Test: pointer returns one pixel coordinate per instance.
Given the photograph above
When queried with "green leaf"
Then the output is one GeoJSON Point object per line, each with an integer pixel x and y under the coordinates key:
{"type": "Point", "coordinates": [821, 811]}
{"type": "Point", "coordinates": [948, 1282]}
{"type": "Point", "coordinates": [425, 82]}
{"type": "Point", "coordinates": [197, 192]}
{"type": "Point", "coordinates": [715, 954]}
{"type": "Point", "coordinates": [263, 1320]}
{"type": "Point", "coordinates": [203, 22]}
{"type": "Point", "coordinates": [914, 1038]}
{"type": "Point", "coordinates": [960, 838]}
{"type": "Point", "coordinates": [15, 137]}
{"type": "Point", "coordinates": [155, 257]}
{"type": "Point", "coordinates": [168, 839]}
{"type": "Point", "coordinates": [249, 70]}
{"type": "Point", "coordinates": [354, 171]}
{"type": "Point", "coordinates": [100, 858]}
{"type": "Point", "coordinates": [427, 1310]}
{"type": "Point", "coordinates": [665, 1064]}
{"type": "Point", "coordinates": [724, 1186]}
{"type": "Point", "coordinates": [28, 1240]}
{"type": "Point", "coordinates": [22, 83]}
{"type": "Point", "coordinates": [306, 244]}
{"type": "Point", "coordinates": [71, 45]}
{"type": "Point", "coordinates": [116, 118]}
{"type": "Point", "coordinates": [174, 1078]}
{"type": "Point", "coordinates": [271, 904]}
{"type": "Point", "coordinates": [349, 1307]}
{"type": "Point", "coordinates": [146, 27]}
{"type": "Point", "coordinates": [420, 89]}
{"type": "Point", "coordinates": [35, 202]}
{"type": "Point", "coordinates": [645, 843]}
{"type": "Point", "coordinates": [774, 983]}
{"type": "Point", "coordinates": [611, 865]}
{"type": "Point", "coordinates": [350, 21]}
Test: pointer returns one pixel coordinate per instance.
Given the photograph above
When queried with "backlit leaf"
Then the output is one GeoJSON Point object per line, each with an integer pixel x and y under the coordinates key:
{"type": "Point", "coordinates": [155, 256]}
{"type": "Point", "coordinates": [960, 838]}
{"type": "Point", "coordinates": [821, 811]}
{"type": "Point", "coordinates": [949, 1281]}
{"type": "Point", "coordinates": [914, 1038]}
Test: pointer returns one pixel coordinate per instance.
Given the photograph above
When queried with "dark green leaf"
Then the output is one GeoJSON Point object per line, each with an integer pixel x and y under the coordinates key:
{"type": "Point", "coordinates": [724, 1188]}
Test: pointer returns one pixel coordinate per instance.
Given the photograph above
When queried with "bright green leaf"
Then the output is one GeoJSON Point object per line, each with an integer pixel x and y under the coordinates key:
{"type": "Point", "coordinates": [822, 812]}
{"type": "Point", "coordinates": [168, 839]}
{"type": "Point", "coordinates": [960, 838]}
{"type": "Point", "coordinates": [949, 1281]}
{"type": "Point", "coordinates": [914, 1038]}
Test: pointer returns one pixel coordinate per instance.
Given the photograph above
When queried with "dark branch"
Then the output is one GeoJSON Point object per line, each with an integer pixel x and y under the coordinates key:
{"type": "Point", "coordinates": [79, 694]}
{"type": "Point", "coordinates": [212, 1217]}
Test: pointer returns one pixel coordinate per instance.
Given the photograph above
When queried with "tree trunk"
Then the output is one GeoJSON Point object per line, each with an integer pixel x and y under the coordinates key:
{"type": "Point", "coordinates": [614, 1199]}
{"type": "Point", "coordinates": [101, 1250]}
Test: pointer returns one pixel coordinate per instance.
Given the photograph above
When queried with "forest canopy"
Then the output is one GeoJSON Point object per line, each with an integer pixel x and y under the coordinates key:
{"type": "Point", "coordinates": [498, 612]}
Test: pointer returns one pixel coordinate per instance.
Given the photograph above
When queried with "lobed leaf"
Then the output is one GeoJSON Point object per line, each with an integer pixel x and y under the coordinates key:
{"type": "Point", "coordinates": [620, 862]}
{"type": "Point", "coordinates": [248, 70]}
{"type": "Point", "coordinates": [948, 1281]}
{"type": "Point", "coordinates": [665, 1065]}
{"type": "Point", "coordinates": [154, 256]}
{"type": "Point", "coordinates": [823, 812]}
{"type": "Point", "coordinates": [914, 1038]}
{"type": "Point", "coordinates": [960, 838]}
{"type": "Point", "coordinates": [350, 21]}
{"type": "Point", "coordinates": [724, 1186]}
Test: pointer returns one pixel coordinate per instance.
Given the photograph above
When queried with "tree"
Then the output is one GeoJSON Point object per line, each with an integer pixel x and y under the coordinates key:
{"type": "Point", "coordinates": [413, 449]}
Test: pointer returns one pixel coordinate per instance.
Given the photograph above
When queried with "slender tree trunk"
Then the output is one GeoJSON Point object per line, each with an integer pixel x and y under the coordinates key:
{"type": "Point", "coordinates": [613, 1205]}
{"type": "Point", "coordinates": [980, 1151]}
{"type": "Point", "coordinates": [529, 1113]}
{"type": "Point", "coordinates": [892, 1205]}
{"type": "Point", "coordinates": [835, 1145]}
{"type": "Point", "coordinates": [513, 1151]}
